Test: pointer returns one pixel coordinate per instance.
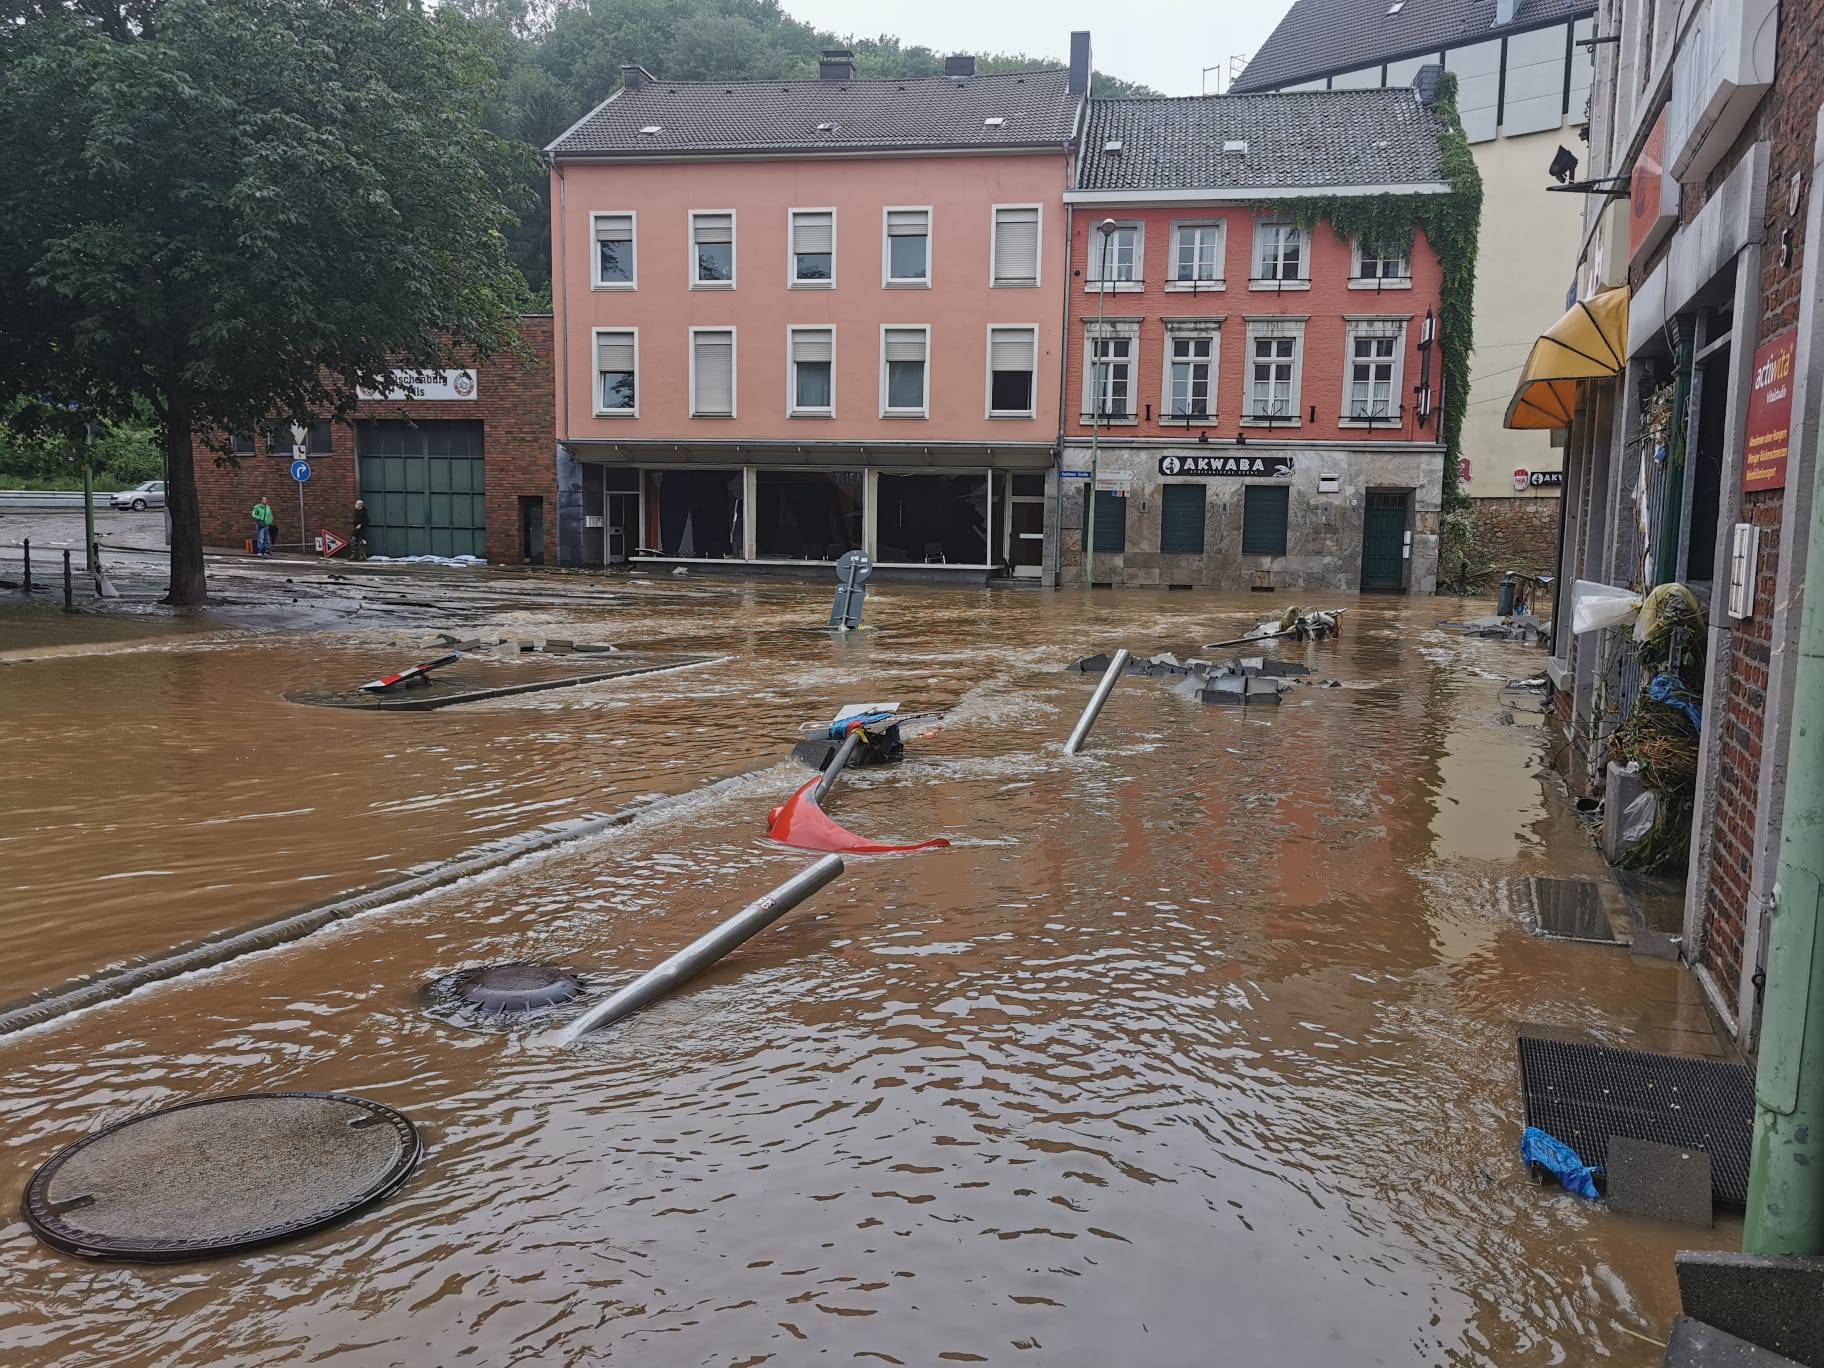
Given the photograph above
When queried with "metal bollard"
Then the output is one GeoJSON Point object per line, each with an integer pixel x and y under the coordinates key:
{"type": "Point", "coordinates": [838, 763]}
{"type": "Point", "coordinates": [69, 586]}
{"type": "Point", "coordinates": [1081, 731]}
{"type": "Point", "coordinates": [694, 958]}
{"type": "Point", "coordinates": [28, 565]}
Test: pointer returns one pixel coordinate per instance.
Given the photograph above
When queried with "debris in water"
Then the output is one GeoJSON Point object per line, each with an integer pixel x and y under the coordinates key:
{"type": "Point", "coordinates": [801, 822]}
{"type": "Point", "coordinates": [1546, 1152]}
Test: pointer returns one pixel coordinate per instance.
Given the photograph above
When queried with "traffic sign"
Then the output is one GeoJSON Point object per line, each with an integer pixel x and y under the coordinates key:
{"type": "Point", "coordinates": [300, 471]}
{"type": "Point", "coordinates": [332, 543]}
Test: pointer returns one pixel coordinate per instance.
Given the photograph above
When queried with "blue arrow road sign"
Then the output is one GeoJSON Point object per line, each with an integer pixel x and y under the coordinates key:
{"type": "Point", "coordinates": [300, 471]}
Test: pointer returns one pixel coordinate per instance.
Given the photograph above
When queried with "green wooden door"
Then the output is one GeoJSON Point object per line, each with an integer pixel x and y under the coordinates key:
{"type": "Point", "coordinates": [1384, 540]}
{"type": "Point", "coordinates": [424, 485]}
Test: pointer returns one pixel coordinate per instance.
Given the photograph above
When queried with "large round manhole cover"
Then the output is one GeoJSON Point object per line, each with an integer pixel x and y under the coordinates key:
{"type": "Point", "coordinates": [508, 989]}
{"type": "Point", "coordinates": [219, 1175]}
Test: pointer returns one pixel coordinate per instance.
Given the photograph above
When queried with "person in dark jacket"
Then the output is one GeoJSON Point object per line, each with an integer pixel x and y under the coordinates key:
{"type": "Point", "coordinates": [360, 521]}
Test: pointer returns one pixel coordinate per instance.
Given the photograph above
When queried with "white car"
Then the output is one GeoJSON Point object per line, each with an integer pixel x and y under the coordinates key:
{"type": "Point", "coordinates": [151, 494]}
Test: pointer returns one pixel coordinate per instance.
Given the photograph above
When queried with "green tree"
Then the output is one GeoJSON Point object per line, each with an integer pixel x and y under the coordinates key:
{"type": "Point", "coordinates": [236, 210]}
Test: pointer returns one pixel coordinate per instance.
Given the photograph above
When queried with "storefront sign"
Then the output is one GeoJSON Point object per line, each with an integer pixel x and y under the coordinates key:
{"type": "Point", "coordinates": [1537, 479]}
{"type": "Point", "coordinates": [1264, 467]}
{"type": "Point", "coordinates": [1770, 413]}
{"type": "Point", "coordinates": [434, 384]}
{"type": "Point", "coordinates": [1652, 195]}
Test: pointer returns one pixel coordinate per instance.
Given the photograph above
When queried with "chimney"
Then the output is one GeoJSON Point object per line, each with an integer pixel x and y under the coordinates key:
{"type": "Point", "coordinates": [959, 64]}
{"type": "Point", "coordinates": [837, 64]}
{"type": "Point", "coordinates": [1504, 12]}
{"type": "Point", "coordinates": [1079, 64]}
{"type": "Point", "coordinates": [634, 76]}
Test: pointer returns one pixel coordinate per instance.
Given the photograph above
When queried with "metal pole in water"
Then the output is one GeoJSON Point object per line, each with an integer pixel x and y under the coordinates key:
{"type": "Point", "coordinates": [69, 586]}
{"type": "Point", "coordinates": [1081, 732]}
{"type": "Point", "coordinates": [838, 763]}
{"type": "Point", "coordinates": [28, 565]}
{"type": "Point", "coordinates": [694, 958]}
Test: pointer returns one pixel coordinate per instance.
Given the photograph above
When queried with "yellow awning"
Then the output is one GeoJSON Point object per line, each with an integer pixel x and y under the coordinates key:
{"type": "Point", "coordinates": [1589, 342]}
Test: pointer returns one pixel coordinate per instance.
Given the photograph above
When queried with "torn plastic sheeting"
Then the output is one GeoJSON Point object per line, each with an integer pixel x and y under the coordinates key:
{"type": "Point", "coordinates": [801, 822]}
{"type": "Point", "coordinates": [1594, 606]}
{"type": "Point", "coordinates": [1559, 1160]}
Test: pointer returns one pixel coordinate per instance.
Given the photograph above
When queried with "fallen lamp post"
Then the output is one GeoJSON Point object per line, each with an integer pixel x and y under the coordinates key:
{"type": "Point", "coordinates": [694, 958]}
{"type": "Point", "coordinates": [1081, 731]}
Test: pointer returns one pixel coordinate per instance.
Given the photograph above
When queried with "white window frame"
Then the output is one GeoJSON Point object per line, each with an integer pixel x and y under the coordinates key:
{"type": "Point", "coordinates": [791, 370]}
{"type": "Point", "coordinates": [734, 250]}
{"type": "Point", "coordinates": [1130, 329]}
{"type": "Point", "coordinates": [595, 251]}
{"type": "Point", "coordinates": [889, 281]}
{"type": "Point", "coordinates": [791, 257]}
{"type": "Point", "coordinates": [924, 409]}
{"type": "Point", "coordinates": [1032, 408]}
{"type": "Point", "coordinates": [1094, 284]}
{"type": "Point", "coordinates": [1257, 280]}
{"type": "Point", "coordinates": [1210, 328]}
{"type": "Point", "coordinates": [1038, 260]}
{"type": "Point", "coordinates": [1360, 326]}
{"type": "Point", "coordinates": [1275, 327]}
{"type": "Point", "coordinates": [734, 372]}
{"type": "Point", "coordinates": [595, 374]}
{"type": "Point", "coordinates": [1358, 281]}
{"type": "Point", "coordinates": [1219, 281]}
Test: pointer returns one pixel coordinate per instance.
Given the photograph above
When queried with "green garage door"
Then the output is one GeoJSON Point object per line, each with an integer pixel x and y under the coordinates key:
{"type": "Point", "coordinates": [423, 486]}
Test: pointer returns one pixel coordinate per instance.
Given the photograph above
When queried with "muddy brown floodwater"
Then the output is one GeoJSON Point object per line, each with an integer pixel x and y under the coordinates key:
{"type": "Point", "coordinates": [1195, 1048]}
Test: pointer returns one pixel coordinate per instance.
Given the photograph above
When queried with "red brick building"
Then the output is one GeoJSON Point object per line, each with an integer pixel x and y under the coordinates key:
{"type": "Point", "coordinates": [467, 467]}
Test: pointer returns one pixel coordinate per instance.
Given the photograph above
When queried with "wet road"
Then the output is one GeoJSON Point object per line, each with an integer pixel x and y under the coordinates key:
{"type": "Point", "coordinates": [1194, 1048]}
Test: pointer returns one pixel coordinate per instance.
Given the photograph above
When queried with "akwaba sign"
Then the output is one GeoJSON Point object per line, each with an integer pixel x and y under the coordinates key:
{"type": "Point", "coordinates": [1265, 467]}
{"type": "Point", "coordinates": [1770, 413]}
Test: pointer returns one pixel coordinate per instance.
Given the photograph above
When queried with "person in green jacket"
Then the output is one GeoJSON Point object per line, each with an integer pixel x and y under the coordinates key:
{"type": "Point", "coordinates": [262, 528]}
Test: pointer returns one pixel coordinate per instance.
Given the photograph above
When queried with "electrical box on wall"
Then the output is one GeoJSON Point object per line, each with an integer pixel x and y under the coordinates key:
{"type": "Point", "coordinates": [1743, 561]}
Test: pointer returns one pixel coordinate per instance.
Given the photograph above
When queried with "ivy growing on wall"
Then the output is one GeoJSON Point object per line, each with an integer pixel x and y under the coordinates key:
{"type": "Point", "coordinates": [1451, 222]}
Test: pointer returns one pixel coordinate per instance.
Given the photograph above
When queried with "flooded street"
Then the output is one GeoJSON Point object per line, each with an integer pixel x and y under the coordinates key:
{"type": "Point", "coordinates": [1196, 1047]}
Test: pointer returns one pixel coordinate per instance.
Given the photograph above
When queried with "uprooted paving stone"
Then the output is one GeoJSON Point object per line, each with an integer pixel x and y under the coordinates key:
{"type": "Point", "coordinates": [1524, 627]}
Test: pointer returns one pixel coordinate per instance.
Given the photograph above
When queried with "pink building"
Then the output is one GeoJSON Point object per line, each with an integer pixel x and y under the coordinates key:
{"type": "Point", "coordinates": [1268, 412]}
{"type": "Point", "coordinates": [798, 318]}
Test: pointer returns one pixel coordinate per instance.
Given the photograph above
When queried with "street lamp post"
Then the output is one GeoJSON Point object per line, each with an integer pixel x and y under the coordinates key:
{"type": "Point", "coordinates": [1097, 371]}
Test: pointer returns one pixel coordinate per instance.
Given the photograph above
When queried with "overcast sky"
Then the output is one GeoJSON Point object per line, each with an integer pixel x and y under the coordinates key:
{"type": "Point", "coordinates": [1164, 43]}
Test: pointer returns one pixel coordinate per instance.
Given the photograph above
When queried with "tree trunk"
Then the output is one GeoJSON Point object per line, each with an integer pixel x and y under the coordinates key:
{"type": "Point", "coordinates": [188, 585]}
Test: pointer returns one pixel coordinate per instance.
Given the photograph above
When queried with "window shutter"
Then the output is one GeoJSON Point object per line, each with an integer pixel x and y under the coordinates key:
{"type": "Point", "coordinates": [715, 371]}
{"type": "Point", "coordinates": [1263, 520]}
{"type": "Point", "coordinates": [813, 233]}
{"type": "Point", "coordinates": [811, 347]}
{"type": "Point", "coordinates": [1010, 349]}
{"type": "Point", "coordinates": [1181, 519]}
{"type": "Point", "coordinates": [905, 344]}
{"type": "Point", "coordinates": [715, 228]}
{"type": "Point", "coordinates": [908, 223]}
{"type": "Point", "coordinates": [1016, 246]}
{"type": "Point", "coordinates": [614, 228]}
{"type": "Point", "coordinates": [614, 351]}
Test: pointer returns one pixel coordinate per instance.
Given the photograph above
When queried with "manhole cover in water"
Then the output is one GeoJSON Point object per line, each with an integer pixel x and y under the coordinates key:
{"type": "Point", "coordinates": [510, 988]}
{"type": "Point", "coordinates": [219, 1175]}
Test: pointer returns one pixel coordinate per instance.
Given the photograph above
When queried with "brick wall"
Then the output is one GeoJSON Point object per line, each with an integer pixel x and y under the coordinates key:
{"type": "Point", "coordinates": [1787, 121]}
{"type": "Point", "coordinates": [513, 401]}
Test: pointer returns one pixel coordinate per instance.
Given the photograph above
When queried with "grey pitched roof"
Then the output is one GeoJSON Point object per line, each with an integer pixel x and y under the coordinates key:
{"type": "Point", "coordinates": [1312, 138]}
{"type": "Point", "coordinates": [707, 117]}
{"type": "Point", "coordinates": [1321, 37]}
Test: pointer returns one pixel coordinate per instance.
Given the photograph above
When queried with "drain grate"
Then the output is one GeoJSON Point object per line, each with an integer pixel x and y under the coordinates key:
{"type": "Point", "coordinates": [1586, 1094]}
{"type": "Point", "coordinates": [508, 989]}
{"type": "Point", "coordinates": [1570, 909]}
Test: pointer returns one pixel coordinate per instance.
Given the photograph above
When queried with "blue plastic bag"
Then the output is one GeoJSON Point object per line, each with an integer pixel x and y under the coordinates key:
{"type": "Point", "coordinates": [1560, 1160]}
{"type": "Point", "coordinates": [1670, 691]}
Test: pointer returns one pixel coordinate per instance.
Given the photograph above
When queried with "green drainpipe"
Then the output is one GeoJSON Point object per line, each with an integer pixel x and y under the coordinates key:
{"type": "Point", "coordinates": [1786, 1171]}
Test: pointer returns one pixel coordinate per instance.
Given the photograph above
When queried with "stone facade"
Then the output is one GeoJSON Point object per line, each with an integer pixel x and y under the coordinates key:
{"type": "Point", "coordinates": [513, 401]}
{"type": "Point", "coordinates": [1324, 525]}
{"type": "Point", "coordinates": [1516, 533]}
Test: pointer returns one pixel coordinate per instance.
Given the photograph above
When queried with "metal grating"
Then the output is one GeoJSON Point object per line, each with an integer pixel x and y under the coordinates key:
{"type": "Point", "coordinates": [1570, 909]}
{"type": "Point", "coordinates": [1585, 1094]}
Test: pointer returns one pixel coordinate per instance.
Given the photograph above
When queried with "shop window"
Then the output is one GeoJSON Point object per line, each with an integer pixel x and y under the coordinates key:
{"type": "Point", "coordinates": [811, 515]}
{"type": "Point", "coordinates": [1181, 519]}
{"type": "Point", "coordinates": [712, 251]}
{"type": "Point", "coordinates": [1111, 521]}
{"type": "Point", "coordinates": [1263, 519]}
{"type": "Point", "coordinates": [613, 251]}
{"type": "Point", "coordinates": [932, 519]}
{"type": "Point", "coordinates": [1011, 357]}
{"type": "Point", "coordinates": [814, 247]}
{"type": "Point", "coordinates": [694, 514]}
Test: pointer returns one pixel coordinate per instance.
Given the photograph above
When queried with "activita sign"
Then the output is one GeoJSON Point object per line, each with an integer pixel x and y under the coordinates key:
{"type": "Point", "coordinates": [434, 384]}
{"type": "Point", "coordinates": [1261, 467]}
{"type": "Point", "coordinates": [1537, 479]}
{"type": "Point", "coordinates": [1770, 413]}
